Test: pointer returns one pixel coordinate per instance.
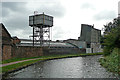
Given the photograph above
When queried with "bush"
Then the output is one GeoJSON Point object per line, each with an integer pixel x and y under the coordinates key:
{"type": "Point", "coordinates": [111, 41]}
{"type": "Point", "coordinates": [112, 62]}
{"type": "Point", "coordinates": [106, 51]}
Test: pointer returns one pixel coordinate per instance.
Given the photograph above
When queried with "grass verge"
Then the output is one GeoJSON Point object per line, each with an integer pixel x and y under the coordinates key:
{"type": "Point", "coordinates": [18, 65]}
{"type": "Point", "coordinates": [112, 61]}
{"type": "Point", "coordinates": [16, 59]}
{"type": "Point", "coordinates": [65, 55]}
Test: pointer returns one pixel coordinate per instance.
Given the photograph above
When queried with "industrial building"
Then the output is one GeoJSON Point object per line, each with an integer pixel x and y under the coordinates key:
{"type": "Point", "coordinates": [88, 40]}
{"type": "Point", "coordinates": [54, 47]}
{"type": "Point", "coordinates": [14, 47]}
{"type": "Point", "coordinates": [91, 36]}
{"type": "Point", "coordinates": [78, 43]}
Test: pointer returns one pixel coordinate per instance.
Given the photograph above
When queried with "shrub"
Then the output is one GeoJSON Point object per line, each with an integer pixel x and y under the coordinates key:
{"type": "Point", "coordinates": [112, 62]}
{"type": "Point", "coordinates": [111, 41]}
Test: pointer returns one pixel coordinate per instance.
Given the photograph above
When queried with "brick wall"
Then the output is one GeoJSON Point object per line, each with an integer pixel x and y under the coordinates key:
{"type": "Point", "coordinates": [6, 52]}
{"type": "Point", "coordinates": [6, 43]}
{"type": "Point", "coordinates": [62, 51]}
{"type": "Point", "coordinates": [26, 51]}
{"type": "Point", "coordinates": [15, 40]}
{"type": "Point", "coordinates": [6, 38]}
{"type": "Point", "coordinates": [9, 50]}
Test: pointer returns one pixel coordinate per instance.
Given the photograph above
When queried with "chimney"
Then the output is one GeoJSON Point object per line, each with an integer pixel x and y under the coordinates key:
{"type": "Point", "coordinates": [119, 9]}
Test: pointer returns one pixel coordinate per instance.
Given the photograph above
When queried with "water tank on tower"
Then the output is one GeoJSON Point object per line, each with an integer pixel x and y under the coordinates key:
{"type": "Point", "coordinates": [41, 20]}
{"type": "Point", "coordinates": [41, 24]}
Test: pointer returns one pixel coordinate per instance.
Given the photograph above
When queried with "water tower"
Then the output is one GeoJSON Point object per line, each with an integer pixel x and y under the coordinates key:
{"type": "Point", "coordinates": [41, 24]}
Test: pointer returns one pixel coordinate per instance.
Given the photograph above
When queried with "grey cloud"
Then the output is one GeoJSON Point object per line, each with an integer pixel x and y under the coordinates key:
{"type": "Point", "coordinates": [14, 6]}
{"type": "Point", "coordinates": [17, 24]}
{"type": "Point", "coordinates": [5, 12]}
{"type": "Point", "coordinates": [22, 33]}
{"type": "Point", "coordinates": [55, 9]}
{"type": "Point", "coordinates": [58, 32]}
{"type": "Point", "coordinates": [105, 15]}
{"type": "Point", "coordinates": [8, 7]}
{"type": "Point", "coordinates": [0, 12]}
{"type": "Point", "coordinates": [15, 16]}
{"type": "Point", "coordinates": [87, 6]}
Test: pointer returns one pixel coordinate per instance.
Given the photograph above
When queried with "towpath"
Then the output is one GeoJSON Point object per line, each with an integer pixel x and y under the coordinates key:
{"type": "Point", "coordinates": [2, 65]}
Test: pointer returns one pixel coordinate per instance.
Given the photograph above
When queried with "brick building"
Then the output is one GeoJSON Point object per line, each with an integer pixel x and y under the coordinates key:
{"type": "Point", "coordinates": [9, 48]}
{"type": "Point", "coordinates": [6, 43]}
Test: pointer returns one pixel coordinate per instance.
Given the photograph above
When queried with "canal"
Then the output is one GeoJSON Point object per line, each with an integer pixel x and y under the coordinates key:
{"type": "Point", "coordinates": [77, 67]}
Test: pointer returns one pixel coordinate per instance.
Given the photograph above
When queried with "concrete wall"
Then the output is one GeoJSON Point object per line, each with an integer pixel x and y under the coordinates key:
{"type": "Point", "coordinates": [96, 47]}
{"type": "Point", "coordinates": [95, 35]}
{"type": "Point", "coordinates": [89, 34]}
{"type": "Point", "coordinates": [85, 33]}
{"type": "Point", "coordinates": [88, 50]}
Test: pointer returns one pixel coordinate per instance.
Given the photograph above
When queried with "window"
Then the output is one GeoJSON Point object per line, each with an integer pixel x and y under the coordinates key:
{"type": "Point", "coordinates": [88, 45]}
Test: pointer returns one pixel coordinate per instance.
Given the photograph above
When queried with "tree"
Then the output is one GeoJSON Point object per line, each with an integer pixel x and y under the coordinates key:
{"type": "Point", "coordinates": [112, 38]}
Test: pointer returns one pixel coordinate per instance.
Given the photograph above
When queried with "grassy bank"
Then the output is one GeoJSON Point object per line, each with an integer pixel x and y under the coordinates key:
{"type": "Point", "coordinates": [22, 64]}
{"type": "Point", "coordinates": [112, 61]}
{"type": "Point", "coordinates": [49, 56]}
{"type": "Point", "coordinates": [18, 65]}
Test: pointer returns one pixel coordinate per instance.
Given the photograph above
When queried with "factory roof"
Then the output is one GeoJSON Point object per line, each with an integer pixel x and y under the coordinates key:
{"type": "Point", "coordinates": [27, 42]}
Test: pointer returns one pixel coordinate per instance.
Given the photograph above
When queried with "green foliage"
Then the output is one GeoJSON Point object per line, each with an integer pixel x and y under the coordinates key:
{"type": "Point", "coordinates": [112, 40]}
{"type": "Point", "coordinates": [107, 50]}
{"type": "Point", "coordinates": [112, 61]}
{"type": "Point", "coordinates": [112, 36]}
{"type": "Point", "coordinates": [18, 65]}
{"type": "Point", "coordinates": [17, 59]}
{"type": "Point", "coordinates": [111, 43]}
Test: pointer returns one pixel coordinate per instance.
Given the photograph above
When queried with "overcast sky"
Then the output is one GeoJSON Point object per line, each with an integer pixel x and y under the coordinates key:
{"type": "Point", "coordinates": [68, 15]}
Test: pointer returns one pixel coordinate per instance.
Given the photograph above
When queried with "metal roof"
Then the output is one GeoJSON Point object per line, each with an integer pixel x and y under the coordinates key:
{"type": "Point", "coordinates": [52, 44]}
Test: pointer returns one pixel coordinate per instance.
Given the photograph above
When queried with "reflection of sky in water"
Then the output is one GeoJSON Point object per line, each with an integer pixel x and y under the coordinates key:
{"type": "Point", "coordinates": [86, 67]}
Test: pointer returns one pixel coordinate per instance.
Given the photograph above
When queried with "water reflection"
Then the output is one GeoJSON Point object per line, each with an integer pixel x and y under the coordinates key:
{"type": "Point", "coordinates": [79, 67]}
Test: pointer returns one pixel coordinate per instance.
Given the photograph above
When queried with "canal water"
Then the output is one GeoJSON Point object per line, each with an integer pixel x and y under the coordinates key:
{"type": "Point", "coordinates": [77, 67]}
